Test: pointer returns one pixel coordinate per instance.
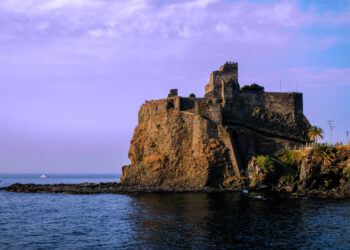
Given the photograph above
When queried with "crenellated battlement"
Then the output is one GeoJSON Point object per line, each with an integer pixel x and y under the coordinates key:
{"type": "Point", "coordinates": [229, 67]}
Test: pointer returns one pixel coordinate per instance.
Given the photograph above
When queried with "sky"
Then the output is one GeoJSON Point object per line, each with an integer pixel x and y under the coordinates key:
{"type": "Point", "coordinates": [73, 74]}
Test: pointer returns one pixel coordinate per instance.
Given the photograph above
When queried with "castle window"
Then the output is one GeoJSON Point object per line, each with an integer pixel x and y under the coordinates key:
{"type": "Point", "coordinates": [156, 109]}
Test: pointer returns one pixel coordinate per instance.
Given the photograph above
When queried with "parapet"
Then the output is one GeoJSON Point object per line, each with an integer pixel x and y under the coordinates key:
{"type": "Point", "coordinates": [284, 103]}
{"type": "Point", "coordinates": [229, 67]}
{"type": "Point", "coordinates": [173, 93]}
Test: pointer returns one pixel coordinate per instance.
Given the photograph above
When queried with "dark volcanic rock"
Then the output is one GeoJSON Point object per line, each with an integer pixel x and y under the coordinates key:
{"type": "Point", "coordinates": [322, 172]}
{"type": "Point", "coordinates": [92, 188]}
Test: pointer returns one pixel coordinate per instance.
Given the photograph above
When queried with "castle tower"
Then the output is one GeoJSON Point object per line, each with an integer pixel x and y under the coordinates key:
{"type": "Point", "coordinates": [223, 82]}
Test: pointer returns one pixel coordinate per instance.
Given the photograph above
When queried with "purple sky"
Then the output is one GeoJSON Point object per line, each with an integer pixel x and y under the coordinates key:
{"type": "Point", "coordinates": [74, 73]}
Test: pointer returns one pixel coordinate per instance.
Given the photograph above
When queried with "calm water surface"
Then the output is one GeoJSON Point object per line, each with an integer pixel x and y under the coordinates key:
{"type": "Point", "coordinates": [187, 220]}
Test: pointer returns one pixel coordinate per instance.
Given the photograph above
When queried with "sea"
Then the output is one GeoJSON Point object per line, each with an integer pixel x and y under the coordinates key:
{"type": "Point", "coordinates": [227, 220]}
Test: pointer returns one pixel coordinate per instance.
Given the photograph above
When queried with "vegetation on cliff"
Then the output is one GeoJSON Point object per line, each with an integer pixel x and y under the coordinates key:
{"type": "Point", "coordinates": [323, 170]}
{"type": "Point", "coordinates": [252, 87]}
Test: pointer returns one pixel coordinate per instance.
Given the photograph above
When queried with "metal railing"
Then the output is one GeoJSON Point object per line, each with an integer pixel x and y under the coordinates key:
{"type": "Point", "coordinates": [312, 145]}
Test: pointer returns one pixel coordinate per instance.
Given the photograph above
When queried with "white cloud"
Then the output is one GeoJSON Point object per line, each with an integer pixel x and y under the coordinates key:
{"type": "Point", "coordinates": [100, 32]}
{"type": "Point", "coordinates": [239, 20]}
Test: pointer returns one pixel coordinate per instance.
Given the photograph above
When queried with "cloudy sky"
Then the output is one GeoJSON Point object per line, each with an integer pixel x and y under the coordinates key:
{"type": "Point", "coordinates": [73, 73]}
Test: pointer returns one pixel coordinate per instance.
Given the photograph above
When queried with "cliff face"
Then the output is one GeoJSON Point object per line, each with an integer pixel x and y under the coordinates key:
{"type": "Point", "coordinates": [169, 150]}
{"type": "Point", "coordinates": [322, 171]}
{"type": "Point", "coordinates": [326, 171]}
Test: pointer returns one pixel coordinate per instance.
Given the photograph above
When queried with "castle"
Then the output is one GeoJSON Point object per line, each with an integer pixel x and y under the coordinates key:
{"type": "Point", "coordinates": [223, 88]}
{"type": "Point", "coordinates": [224, 101]}
{"type": "Point", "coordinates": [228, 124]}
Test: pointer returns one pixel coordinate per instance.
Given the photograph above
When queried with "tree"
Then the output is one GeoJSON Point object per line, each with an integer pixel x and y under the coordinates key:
{"type": "Point", "coordinates": [245, 87]}
{"type": "Point", "coordinates": [315, 133]}
{"type": "Point", "coordinates": [256, 87]}
{"type": "Point", "coordinates": [192, 95]}
{"type": "Point", "coordinates": [252, 87]}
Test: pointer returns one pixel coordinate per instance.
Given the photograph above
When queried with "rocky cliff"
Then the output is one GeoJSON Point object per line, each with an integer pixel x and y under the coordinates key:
{"type": "Point", "coordinates": [322, 171]}
{"type": "Point", "coordinates": [169, 150]}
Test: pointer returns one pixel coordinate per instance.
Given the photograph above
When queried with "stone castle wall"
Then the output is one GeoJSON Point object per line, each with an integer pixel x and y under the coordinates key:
{"type": "Point", "coordinates": [152, 108]}
{"type": "Point", "coordinates": [229, 71]}
{"type": "Point", "coordinates": [199, 106]}
{"type": "Point", "coordinates": [283, 103]}
{"type": "Point", "coordinates": [223, 84]}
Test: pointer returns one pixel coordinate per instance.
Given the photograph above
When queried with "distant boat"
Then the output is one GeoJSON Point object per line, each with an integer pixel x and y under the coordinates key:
{"type": "Point", "coordinates": [44, 176]}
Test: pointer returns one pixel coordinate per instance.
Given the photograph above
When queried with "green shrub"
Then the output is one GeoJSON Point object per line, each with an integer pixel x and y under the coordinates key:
{"type": "Point", "coordinates": [325, 153]}
{"type": "Point", "coordinates": [291, 158]}
{"type": "Point", "coordinates": [323, 148]}
{"type": "Point", "coordinates": [288, 178]}
{"type": "Point", "coordinates": [245, 87]}
{"type": "Point", "coordinates": [192, 95]}
{"type": "Point", "coordinates": [265, 163]}
{"type": "Point", "coordinates": [252, 87]}
{"type": "Point", "coordinates": [256, 87]}
{"type": "Point", "coordinates": [348, 171]}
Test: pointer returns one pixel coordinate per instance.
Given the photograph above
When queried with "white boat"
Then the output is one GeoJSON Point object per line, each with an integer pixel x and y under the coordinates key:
{"type": "Point", "coordinates": [44, 176]}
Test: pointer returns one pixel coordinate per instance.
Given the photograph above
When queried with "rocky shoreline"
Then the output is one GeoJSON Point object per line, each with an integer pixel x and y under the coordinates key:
{"type": "Point", "coordinates": [118, 188]}
{"type": "Point", "coordinates": [93, 188]}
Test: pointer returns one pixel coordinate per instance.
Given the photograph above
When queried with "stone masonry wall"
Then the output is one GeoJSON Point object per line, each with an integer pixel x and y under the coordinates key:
{"type": "Point", "coordinates": [216, 77]}
{"type": "Point", "coordinates": [284, 102]}
{"type": "Point", "coordinates": [211, 111]}
{"type": "Point", "coordinates": [151, 108]}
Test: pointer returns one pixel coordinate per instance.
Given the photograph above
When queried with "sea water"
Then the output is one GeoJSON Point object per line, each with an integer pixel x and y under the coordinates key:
{"type": "Point", "coordinates": [169, 220]}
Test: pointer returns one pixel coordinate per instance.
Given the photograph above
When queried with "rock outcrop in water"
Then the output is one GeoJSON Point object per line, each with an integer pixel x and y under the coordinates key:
{"type": "Point", "coordinates": [322, 171]}
{"type": "Point", "coordinates": [313, 172]}
{"type": "Point", "coordinates": [207, 142]}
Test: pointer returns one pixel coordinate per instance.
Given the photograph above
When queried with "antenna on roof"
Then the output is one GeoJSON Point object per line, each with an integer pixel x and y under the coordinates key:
{"type": "Point", "coordinates": [331, 127]}
{"type": "Point", "coordinates": [280, 86]}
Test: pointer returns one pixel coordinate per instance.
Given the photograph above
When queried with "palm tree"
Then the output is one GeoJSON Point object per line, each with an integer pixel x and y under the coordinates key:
{"type": "Point", "coordinates": [315, 133]}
